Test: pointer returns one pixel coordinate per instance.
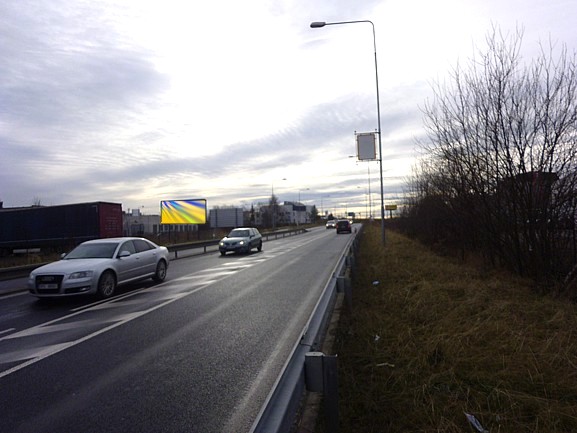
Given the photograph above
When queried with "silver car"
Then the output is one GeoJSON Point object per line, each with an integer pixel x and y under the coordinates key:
{"type": "Point", "coordinates": [99, 266]}
{"type": "Point", "coordinates": [241, 240]}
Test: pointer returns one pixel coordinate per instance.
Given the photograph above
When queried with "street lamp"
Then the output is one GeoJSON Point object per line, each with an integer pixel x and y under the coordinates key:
{"type": "Point", "coordinates": [274, 206]}
{"type": "Point", "coordinates": [319, 24]}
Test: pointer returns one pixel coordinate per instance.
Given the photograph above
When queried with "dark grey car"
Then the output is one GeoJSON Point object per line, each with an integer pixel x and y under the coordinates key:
{"type": "Point", "coordinates": [241, 240]}
{"type": "Point", "coordinates": [344, 226]}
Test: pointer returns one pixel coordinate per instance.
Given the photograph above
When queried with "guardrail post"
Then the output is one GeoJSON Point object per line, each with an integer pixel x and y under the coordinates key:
{"type": "Point", "coordinates": [321, 376]}
{"type": "Point", "coordinates": [344, 286]}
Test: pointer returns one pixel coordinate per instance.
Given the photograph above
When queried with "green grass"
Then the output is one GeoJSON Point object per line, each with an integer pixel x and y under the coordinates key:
{"type": "Point", "coordinates": [428, 340]}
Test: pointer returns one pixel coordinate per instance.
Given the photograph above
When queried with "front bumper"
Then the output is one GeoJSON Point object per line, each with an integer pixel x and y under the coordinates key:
{"type": "Point", "coordinates": [56, 286]}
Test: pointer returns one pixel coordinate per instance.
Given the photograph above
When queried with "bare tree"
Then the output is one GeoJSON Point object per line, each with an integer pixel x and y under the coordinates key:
{"type": "Point", "coordinates": [501, 155]}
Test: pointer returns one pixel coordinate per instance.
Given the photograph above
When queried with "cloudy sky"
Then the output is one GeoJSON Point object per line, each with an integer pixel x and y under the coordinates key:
{"type": "Point", "coordinates": [141, 101]}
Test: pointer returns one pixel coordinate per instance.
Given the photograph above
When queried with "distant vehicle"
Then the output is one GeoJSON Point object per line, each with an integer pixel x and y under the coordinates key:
{"type": "Point", "coordinates": [99, 266]}
{"type": "Point", "coordinates": [331, 224]}
{"type": "Point", "coordinates": [344, 226]}
{"type": "Point", "coordinates": [241, 240]}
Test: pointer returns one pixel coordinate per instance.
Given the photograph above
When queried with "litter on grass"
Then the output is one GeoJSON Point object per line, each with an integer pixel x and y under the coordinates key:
{"type": "Point", "coordinates": [475, 423]}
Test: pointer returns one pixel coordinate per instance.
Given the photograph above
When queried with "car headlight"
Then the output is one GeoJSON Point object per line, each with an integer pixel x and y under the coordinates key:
{"type": "Point", "coordinates": [81, 274]}
{"type": "Point", "coordinates": [242, 242]}
{"type": "Point", "coordinates": [221, 243]}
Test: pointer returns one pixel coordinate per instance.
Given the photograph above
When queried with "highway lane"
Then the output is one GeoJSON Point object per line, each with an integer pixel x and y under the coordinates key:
{"type": "Point", "coordinates": [198, 353]}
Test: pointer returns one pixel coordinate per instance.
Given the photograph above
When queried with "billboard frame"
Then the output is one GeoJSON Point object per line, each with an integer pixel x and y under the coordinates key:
{"type": "Point", "coordinates": [186, 211]}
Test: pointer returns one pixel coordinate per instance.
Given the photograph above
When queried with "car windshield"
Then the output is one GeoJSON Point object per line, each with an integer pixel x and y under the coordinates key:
{"type": "Point", "coordinates": [93, 251]}
{"type": "Point", "coordinates": [238, 234]}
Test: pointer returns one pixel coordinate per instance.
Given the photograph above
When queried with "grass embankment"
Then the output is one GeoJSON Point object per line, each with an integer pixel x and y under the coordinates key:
{"type": "Point", "coordinates": [434, 340]}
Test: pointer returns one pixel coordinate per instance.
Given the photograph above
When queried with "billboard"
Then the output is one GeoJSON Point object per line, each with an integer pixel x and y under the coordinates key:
{"type": "Point", "coordinates": [183, 211]}
{"type": "Point", "coordinates": [366, 150]}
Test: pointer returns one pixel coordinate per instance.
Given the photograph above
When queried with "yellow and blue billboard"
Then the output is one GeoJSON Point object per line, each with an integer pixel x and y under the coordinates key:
{"type": "Point", "coordinates": [183, 211]}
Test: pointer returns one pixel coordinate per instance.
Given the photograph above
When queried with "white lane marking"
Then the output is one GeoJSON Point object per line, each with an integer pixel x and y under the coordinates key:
{"type": "Point", "coordinates": [21, 355]}
{"type": "Point", "coordinates": [6, 331]}
{"type": "Point", "coordinates": [52, 350]}
{"type": "Point", "coordinates": [210, 276]}
{"type": "Point", "coordinates": [41, 329]}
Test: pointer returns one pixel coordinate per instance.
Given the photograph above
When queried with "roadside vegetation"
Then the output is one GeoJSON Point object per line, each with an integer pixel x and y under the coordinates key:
{"type": "Point", "coordinates": [429, 340]}
{"type": "Point", "coordinates": [498, 171]}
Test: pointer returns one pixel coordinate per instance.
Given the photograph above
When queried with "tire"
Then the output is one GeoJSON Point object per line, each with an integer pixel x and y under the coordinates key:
{"type": "Point", "coordinates": [160, 273]}
{"type": "Point", "coordinates": [259, 248]}
{"type": "Point", "coordinates": [222, 253]}
{"type": "Point", "coordinates": [106, 285]}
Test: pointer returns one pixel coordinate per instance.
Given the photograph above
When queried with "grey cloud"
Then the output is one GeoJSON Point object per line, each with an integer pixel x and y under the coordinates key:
{"type": "Point", "coordinates": [57, 71]}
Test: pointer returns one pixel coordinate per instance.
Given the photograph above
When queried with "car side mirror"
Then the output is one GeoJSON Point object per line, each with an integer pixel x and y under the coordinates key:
{"type": "Point", "coordinates": [123, 254]}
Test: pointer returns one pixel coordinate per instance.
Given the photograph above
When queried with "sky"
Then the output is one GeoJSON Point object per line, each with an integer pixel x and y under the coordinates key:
{"type": "Point", "coordinates": [139, 101]}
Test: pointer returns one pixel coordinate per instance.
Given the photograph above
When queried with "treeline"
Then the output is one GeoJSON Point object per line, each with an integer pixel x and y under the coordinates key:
{"type": "Point", "coordinates": [498, 174]}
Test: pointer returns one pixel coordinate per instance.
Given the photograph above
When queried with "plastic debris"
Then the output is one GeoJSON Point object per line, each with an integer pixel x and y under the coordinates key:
{"type": "Point", "coordinates": [376, 283]}
{"type": "Point", "coordinates": [377, 338]}
{"type": "Point", "coordinates": [475, 423]}
{"type": "Point", "coordinates": [385, 364]}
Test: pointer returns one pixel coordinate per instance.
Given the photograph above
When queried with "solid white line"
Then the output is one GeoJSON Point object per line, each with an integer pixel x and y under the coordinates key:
{"type": "Point", "coordinates": [7, 330]}
{"type": "Point", "coordinates": [59, 348]}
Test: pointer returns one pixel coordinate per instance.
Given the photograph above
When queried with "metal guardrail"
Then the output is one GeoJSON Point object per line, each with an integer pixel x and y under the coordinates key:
{"type": "Point", "coordinates": [281, 406]}
{"type": "Point", "coordinates": [23, 271]}
{"type": "Point", "coordinates": [204, 245]}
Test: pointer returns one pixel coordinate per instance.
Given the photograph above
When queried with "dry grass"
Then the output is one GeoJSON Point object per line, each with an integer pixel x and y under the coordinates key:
{"type": "Point", "coordinates": [434, 340]}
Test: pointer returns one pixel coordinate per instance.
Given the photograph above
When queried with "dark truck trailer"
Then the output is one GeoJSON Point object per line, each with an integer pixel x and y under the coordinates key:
{"type": "Point", "coordinates": [58, 227]}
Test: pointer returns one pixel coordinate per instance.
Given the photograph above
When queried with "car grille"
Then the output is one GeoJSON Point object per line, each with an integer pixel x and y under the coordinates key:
{"type": "Point", "coordinates": [47, 284]}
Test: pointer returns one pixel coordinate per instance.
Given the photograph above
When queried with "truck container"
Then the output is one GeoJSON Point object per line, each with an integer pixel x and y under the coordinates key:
{"type": "Point", "coordinates": [57, 227]}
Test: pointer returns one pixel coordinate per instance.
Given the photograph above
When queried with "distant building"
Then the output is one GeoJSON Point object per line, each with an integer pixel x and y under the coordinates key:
{"type": "Point", "coordinates": [295, 213]}
{"type": "Point", "coordinates": [137, 224]}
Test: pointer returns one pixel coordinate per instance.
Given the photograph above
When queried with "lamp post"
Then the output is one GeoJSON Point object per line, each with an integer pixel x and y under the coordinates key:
{"type": "Point", "coordinates": [322, 209]}
{"type": "Point", "coordinates": [319, 24]}
{"type": "Point", "coordinates": [274, 205]}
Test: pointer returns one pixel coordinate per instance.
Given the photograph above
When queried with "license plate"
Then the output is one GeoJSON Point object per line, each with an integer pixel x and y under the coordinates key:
{"type": "Point", "coordinates": [47, 286]}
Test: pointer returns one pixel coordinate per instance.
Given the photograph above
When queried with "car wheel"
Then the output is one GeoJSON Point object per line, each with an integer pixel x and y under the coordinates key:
{"type": "Point", "coordinates": [222, 253]}
{"type": "Point", "coordinates": [160, 273]}
{"type": "Point", "coordinates": [106, 284]}
{"type": "Point", "coordinates": [259, 248]}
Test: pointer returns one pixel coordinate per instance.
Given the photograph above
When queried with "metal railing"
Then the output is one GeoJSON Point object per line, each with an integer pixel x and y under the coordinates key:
{"type": "Point", "coordinates": [205, 245]}
{"type": "Point", "coordinates": [281, 406]}
{"type": "Point", "coordinates": [198, 247]}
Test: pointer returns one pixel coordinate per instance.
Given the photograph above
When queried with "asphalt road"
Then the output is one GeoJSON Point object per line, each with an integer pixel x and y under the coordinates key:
{"type": "Point", "coordinates": [197, 353]}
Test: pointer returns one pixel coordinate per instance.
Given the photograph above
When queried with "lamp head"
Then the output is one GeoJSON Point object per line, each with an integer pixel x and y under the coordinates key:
{"type": "Point", "coordinates": [318, 24]}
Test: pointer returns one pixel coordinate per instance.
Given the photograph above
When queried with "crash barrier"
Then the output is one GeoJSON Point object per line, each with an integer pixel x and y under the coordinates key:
{"type": "Point", "coordinates": [17, 271]}
{"type": "Point", "coordinates": [204, 245]}
{"type": "Point", "coordinates": [307, 368]}
{"type": "Point", "coordinates": [199, 247]}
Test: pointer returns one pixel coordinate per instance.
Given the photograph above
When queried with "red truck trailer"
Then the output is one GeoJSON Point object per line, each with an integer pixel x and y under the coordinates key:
{"type": "Point", "coordinates": [58, 227]}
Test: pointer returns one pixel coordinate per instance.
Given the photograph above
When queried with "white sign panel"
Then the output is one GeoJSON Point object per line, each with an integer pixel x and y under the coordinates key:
{"type": "Point", "coordinates": [366, 150]}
